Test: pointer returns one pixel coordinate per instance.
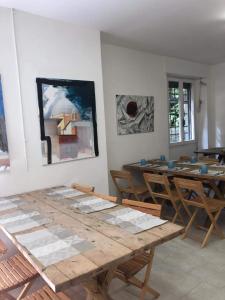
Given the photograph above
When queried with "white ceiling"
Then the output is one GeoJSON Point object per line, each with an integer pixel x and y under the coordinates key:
{"type": "Point", "coordinates": [189, 29]}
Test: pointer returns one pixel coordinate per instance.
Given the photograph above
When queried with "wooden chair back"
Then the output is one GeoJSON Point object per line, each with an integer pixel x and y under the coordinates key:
{"type": "Point", "coordinates": [212, 207]}
{"type": "Point", "coordinates": [123, 181]}
{"type": "Point", "coordinates": [195, 188]}
{"type": "Point", "coordinates": [105, 197]}
{"type": "Point", "coordinates": [83, 188]}
{"type": "Point", "coordinates": [158, 186]}
{"type": "Point", "coordinates": [148, 208]}
{"type": "Point", "coordinates": [183, 158]}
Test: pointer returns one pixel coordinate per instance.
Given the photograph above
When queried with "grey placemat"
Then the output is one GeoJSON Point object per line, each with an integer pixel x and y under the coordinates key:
{"type": "Point", "coordinates": [9, 203]}
{"type": "Point", "coordinates": [210, 172]}
{"type": "Point", "coordinates": [65, 193]}
{"type": "Point", "coordinates": [21, 220]}
{"type": "Point", "coordinates": [92, 204]}
{"type": "Point", "coordinates": [132, 220]}
{"type": "Point", "coordinates": [54, 244]}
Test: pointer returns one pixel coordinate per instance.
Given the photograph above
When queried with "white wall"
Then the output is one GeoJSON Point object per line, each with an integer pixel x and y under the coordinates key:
{"type": "Point", "coordinates": [217, 106]}
{"type": "Point", "coordinates": [50, 49]}
{"type": "Point", "coordinates": [12, 104]}
{"type": "Point", "coordinates": [132, 72]}
{"type": "Point", "coordinates": [185, 68]}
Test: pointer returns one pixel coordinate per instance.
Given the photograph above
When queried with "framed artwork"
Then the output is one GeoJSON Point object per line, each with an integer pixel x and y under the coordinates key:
{"type": "Point", "coordinates": [135, 114]}
{"type": "Point", "coordinates": [4, 152]}
{"type": "Point", "coordinates": [67, 120]}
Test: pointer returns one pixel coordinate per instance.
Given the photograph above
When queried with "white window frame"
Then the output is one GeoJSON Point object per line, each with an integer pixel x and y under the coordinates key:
{"type": "Point", "coordinates": [181, 106]}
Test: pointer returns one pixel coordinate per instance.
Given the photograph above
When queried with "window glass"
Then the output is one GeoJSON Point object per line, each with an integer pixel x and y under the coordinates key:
{"type": "Point", "coordinates": [174, 111]}
{"type": "Point", "coordinates": [187, 111]}
{"type": "Point", "coordinates": [180, 110]}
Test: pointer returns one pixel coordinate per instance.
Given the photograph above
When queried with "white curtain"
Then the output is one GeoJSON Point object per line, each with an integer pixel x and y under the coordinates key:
{"type": "Point", "coordinates": [201, 114]}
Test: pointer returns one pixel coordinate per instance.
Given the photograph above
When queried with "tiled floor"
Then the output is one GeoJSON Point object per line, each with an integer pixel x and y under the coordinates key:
{"type": "Point", "coordinates": [181, 271]}
{"type": "Point", "coordinates": [184, 271]}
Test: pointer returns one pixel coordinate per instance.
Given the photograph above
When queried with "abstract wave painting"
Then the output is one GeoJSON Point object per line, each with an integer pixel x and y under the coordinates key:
{"type": "Point", "coordinates": [4, 154]}
{"type": "Point", "coordinates": [135, 114]}
{"type": "Point", "coordinates": [67, 120]}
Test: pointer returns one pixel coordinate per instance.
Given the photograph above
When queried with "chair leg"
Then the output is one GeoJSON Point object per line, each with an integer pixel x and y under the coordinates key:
{"type": "Point", "coordinates": [24, 291]}
{"type": "Point", "coordinates": [145, 287]}
{"type": "Point", "coordinates": [175, 217]}
{"type": "Point", "coordinates": [206, 239]}
{"type": "Point", "coordinates": [153, 292]}
{"type": "Point", "coordinates": [188, 227]}
{"type": "Point", "coordinates": [209, 232]}
{"type": "Point", "coordinates": [136, 282]}
{"type": "Point", "coordinates": [217, 228]}
{"type": "Point", "coordinates": [177, 214]}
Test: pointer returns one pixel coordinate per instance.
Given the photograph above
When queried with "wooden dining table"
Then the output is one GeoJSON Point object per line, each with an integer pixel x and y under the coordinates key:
{"type": "Point", "coordinates": [215, 176]}
{"type": "Point", "coordinates": [185, 169]}
{"type": "Point", "coordinates": [220, 151]}
{"type": "Point", "coordinates": [43, 225]}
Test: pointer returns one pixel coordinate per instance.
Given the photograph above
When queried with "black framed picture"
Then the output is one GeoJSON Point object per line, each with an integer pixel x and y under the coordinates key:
{"type": "Point", "coordinates": [135, 114]}
{"type": "Point", "coordinates": [68, 124]}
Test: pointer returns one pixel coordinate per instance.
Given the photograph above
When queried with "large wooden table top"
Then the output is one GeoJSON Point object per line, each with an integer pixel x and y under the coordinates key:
{"type": "Point", "coordinates": [186, 173]}
{"type": "Point", "coordinates": [112, 245]}
{"type": "Point", "coordinates": [211, 151]}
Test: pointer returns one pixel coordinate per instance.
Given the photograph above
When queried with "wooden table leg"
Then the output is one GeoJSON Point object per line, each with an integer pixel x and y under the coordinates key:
{"type": "Point", "coordinates": [97, 288]}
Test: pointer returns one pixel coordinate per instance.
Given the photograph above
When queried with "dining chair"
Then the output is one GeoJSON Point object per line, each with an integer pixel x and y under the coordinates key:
{"type": "Point", "coordinates": [125, 186]}
{"type": "Point", "coordinates": [184, 158]}
{"type": "Point", "coordinates": [208, 184]}
{"type": "Point", "coordinates": [128, 270]}
{"type": "Point", "coordinates": [160, 190]}
{"type": "Point", "coordinates": [16, 272]}
{"type": "Point", "coordinates": [199, 201]}
{"type": "Point", "coordinates": [83, 188]}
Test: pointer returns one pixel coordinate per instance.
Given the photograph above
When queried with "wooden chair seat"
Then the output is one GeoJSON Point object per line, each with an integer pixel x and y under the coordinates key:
{"type": "Point", "coordinates": [133, 266]}
{"type": "Point", "coordinates": [15, 271]}
{"type": "Point", "coordinates": [45, 293]}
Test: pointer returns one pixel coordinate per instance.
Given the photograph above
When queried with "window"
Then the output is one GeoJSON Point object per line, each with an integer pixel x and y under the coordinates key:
{"type": "Point", "coordinates": [181, 110]}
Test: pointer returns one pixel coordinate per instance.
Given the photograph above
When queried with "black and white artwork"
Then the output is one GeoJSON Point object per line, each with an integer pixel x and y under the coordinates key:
{"type": "Point", "coordinates": [67, 119]}
{"type": "Point", "coordinates": [135, 114]}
